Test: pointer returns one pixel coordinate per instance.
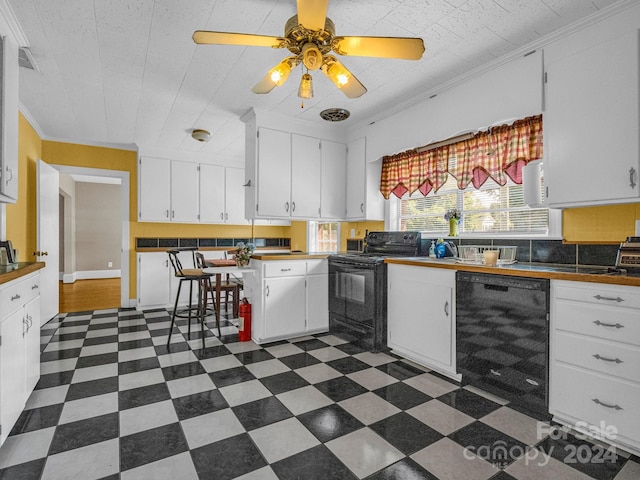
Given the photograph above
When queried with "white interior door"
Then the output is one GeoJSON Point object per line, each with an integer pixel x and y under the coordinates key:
{"type": "Point", "coordinates": [47, 248]}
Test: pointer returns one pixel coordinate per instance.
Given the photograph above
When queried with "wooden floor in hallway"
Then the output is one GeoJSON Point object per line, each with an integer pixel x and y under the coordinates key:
{"type": "Point", "coordinates": [95, 294]}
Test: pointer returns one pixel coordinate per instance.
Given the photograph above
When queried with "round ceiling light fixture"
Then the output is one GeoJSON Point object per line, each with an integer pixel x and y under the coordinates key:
{"type": "Point", "coordinates": [200, 135]}
{"type": "Point", "coordinates": [335, 114]}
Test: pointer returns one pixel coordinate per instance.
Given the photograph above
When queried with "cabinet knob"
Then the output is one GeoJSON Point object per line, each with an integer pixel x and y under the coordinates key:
{"type": "Point", "coordinates": [38, 253]}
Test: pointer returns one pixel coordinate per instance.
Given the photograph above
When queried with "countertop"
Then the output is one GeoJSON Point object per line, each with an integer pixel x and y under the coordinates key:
{"type": "Point", "coordinates": [580, 273]}
{"type": "Point", "coordinates": [290, 256]}
{"type": "Point", "coordinates": [17, 270]}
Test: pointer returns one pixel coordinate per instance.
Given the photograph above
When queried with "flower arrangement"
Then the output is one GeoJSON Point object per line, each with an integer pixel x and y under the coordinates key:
{"type": "Point", "coordinates": [453, 214]}
{"type": "Point", "coordinates": [243, 253]}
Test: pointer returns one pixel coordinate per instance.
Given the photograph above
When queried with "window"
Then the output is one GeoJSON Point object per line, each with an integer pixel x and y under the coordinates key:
{"type": "Point", "coordinates": [492, 209]}
{"type": "Point", "coordinates": [323, 237]}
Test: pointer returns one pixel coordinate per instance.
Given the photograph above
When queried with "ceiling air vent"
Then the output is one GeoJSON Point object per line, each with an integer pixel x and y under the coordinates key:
{"type": "Point", "coordinates": [25, 59]}
{"type": "Point", "coordinates": [335, 114]}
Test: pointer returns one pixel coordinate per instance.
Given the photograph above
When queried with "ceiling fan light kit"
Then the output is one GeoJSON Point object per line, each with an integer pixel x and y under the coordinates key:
{"type": "Point", "coordinates": [310, 37]}
{"type": "Point", "coordinates": [200, 135]}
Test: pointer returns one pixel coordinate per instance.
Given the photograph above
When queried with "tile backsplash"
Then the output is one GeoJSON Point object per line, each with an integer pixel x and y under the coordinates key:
{"type": "Point", "coordinates": [546, 251]}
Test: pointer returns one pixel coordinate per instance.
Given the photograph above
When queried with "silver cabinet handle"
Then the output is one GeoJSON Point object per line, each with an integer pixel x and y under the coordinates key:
{"type": "Point", "coordinates": [266, 291]}
{"type": "Point", "coordinates": [531, 382]}
{"type": "Point", "coordinates": [166, 213]}
{"type": "Point", "coordinates": [601, 324]}
{"type": "Point", "coordinates": [605, 359]}
{"type": "Point", "coordinates": [285, 269]}
{"type": "Point", "coordinates": [221, 216]}
{"type": "Point", "coordinates": [15, 297]}
{"type": "Point", "coordinates": [609, 299]}
{"type": "Point", "coordinates": [632, 177]}
{"type": "Point", "coordinates": [35, 286]}
{"type": "Point", "coordinates": [446, 308]}
{"type": "Point", "coordinates": [286, 207]}
{"type": "Point", "coordinates": [493, 372]}
{"type": "Point", "coordinates": [11, 177]}
{"type": "Point", "coordinates": [362, 207]}
{"type": "Point", "coordinates": [293, 206]}
{"type": "Point", "coordinates": [173, 214]}
{"type": "Point", "coordinates": [616, 406]}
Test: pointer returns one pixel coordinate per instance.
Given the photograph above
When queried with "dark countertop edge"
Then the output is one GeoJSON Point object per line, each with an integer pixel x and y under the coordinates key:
{"type": "Point", "coordinates": [526, 270]}
{"type": "Point", "coordinates": [20, 270]}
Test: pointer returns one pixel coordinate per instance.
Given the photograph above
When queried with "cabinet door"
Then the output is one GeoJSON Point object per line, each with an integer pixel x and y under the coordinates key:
{"type": "Point", "coordinates": [274, 173]}
{"type": "Point", "coordinates": [32, 344]}
{"type": "Point", "coordinates": [305, 176]}
{"type": "Point", "coordinates": [234, 192]}
{"type": "Point", "coordinates": [184, 192]}
{"type": "Point", "coordinates": [9, 122]}
{"type": "Point", "coordinates": [420, 313]}
{"type": "Point", "coordinates": [284, 306]}
{"type": "Point", "coordinates": [155, 189]}
{"type": "Point", "coordinates": [12, 371]}
{"type": "Point", "coordinates": [356, 180]}
{"type": "Point", "coordinates": [317, 303]}
{"type": "Point", "coordinates": [333, 180]}
{"type": "Point", "coordinates": [153, 279]}
{"type": "Point", "coordinates": [591, 124]}
{"type": "Point", "coordinates": [212, 194]}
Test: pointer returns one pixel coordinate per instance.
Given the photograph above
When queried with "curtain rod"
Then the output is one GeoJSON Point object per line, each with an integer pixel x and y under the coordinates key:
{"type": "Point", "coordinates": [448, 141]}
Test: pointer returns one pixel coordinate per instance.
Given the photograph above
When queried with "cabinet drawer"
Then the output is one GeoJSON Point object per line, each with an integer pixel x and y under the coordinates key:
{"type": "Point", "coordinates": [594, 398]}
{"type": "Point", "coordinates": [605, 357]}
{"type": "Point", "coordinates": [619, 296]}
{"type": "Point", "coordinates": [317, 267]}
{"type": "Point", "coordinates": [32, 287]}
{"type": "Point", "coordinates": [13, 296]}
{"type": "Point", "coordinates": [619, 324]}
{"type": "Point", "coordinates": [284, 269]}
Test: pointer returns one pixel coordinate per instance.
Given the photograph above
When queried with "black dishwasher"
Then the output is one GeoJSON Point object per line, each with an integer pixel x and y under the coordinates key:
{"type": "Point", "coordinates": [502, 336]}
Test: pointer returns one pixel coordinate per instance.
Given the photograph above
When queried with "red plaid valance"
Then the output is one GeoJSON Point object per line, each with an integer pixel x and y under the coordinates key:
{"type": "Point", "coordinates": [499, 153]}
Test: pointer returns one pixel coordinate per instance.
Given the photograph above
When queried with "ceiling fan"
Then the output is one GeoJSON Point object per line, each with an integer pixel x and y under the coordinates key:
{"type": "Point", "coordinates": [310, 37]}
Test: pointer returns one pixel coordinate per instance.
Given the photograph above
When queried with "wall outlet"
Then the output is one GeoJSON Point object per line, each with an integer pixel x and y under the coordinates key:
{"type": "Point", "coordinates": [110, 264]}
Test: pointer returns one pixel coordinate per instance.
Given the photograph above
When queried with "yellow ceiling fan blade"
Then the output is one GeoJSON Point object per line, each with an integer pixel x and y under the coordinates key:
{"type": "Point", "coordinates": [342, 77]}
{"type": "Point", "coordinates": [381, 47]}
{"type": "Point", "coordinates": [265, 85]}
{"type": "Point", "coordinates": [312, 14]}
{"type": "Point", "coordinates": [202, 37]}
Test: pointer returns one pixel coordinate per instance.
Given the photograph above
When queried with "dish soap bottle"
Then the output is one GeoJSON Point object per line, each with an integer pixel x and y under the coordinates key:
{"type": "Point", "coordinates": [441, 250]}
{"type": "Point", "coordinates": [432, 249]}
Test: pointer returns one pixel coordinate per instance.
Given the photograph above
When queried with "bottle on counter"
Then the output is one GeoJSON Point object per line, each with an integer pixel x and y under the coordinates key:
{"type": "Point", "coordinates": [432, 249]}
{"type": "Point", "coordinates": [441, 249]}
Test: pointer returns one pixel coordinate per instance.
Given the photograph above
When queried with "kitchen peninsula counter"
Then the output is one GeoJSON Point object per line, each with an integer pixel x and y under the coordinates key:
{"type": "Point", "coordinates": [17, 270]}
{"type": "Point", "coordinates": [577, 273]}
{"type": "Point", "coordinates": [290, 256]}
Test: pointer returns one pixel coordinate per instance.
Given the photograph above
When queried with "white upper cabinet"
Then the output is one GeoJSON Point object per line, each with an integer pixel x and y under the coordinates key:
{"type": "Point", "coordinates": [591, 124]}
{"type": "Point", "coordinates": [364, 200]}
{"type": "Point", "coordinates": [8, 119]}
{"type": "Point", "coordinates": [168, 191]}
{"type": "Point", "coordinates": [155, 189]}
{"type": "Point", "coordinates": [305, 176]}
{"type": "Point", "coordinates": [273, 174]}
{"type": "Point", "coordinates": [221, 194]}
{"type": "Point", "coordinates": [333, 188]}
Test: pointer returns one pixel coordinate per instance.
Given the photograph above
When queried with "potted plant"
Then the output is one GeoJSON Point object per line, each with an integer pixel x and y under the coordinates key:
{"type": "Point", "coordinates": [453, 215]}
{"type": "Point", "coordinates": [243, 253]}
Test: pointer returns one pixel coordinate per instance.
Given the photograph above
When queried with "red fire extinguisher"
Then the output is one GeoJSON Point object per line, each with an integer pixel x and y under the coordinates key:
{"type": "Point", "coordinates": [244, 324]}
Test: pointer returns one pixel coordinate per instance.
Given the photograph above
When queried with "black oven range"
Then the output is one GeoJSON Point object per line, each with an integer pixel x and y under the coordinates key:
{"type": "Point", "coordinates": [358, 288]}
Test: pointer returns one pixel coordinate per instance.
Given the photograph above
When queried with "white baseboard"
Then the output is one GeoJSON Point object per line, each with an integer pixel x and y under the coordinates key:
{"type": "Point", "coordinates": [89, 275]}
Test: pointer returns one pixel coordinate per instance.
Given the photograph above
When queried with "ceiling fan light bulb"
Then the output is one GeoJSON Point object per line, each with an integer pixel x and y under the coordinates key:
{"type": "Point", "coordinates": [280, 72]}
{"type": "Point", "coordinates": [338, 75]}
{"type": "Point", "coordinates": [306, 86]}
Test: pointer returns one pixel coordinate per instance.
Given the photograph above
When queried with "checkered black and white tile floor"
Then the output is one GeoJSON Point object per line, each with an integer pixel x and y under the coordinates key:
{"type": "Point", "coordinates": [114, 402]}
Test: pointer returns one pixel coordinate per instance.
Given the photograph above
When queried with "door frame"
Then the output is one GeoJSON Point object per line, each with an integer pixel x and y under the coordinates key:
{"type": "Point", "coordinates": [125, 270]}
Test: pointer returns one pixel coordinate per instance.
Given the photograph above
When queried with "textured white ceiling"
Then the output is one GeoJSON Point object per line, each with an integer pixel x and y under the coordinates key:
{"type": "Point", "coordinates": [126, 72]}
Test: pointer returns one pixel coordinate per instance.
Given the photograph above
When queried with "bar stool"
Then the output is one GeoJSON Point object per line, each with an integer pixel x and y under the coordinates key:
{"type": "Point", "coordinates": [203, 281]}
{"type": "Point", "coordinates": [226, 286]}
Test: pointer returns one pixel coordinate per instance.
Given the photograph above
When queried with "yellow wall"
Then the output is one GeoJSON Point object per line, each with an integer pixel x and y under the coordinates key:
{"type": "Point", "coordinates": [606, 224]}
{"type": "Point", "coordinates": [21, 216]}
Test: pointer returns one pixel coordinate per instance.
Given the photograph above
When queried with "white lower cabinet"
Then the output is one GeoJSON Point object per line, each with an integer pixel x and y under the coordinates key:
{"type": "Point", "coordinates": [421, 315]}
{"type": "Point", "coordinates": [594, 384]}
{"type": "Point", "coordinates": [20, 347]}
{"type": "Point", "coordinates": [157, 283]}
{"type": "Point", "coordinates": [289, 298]}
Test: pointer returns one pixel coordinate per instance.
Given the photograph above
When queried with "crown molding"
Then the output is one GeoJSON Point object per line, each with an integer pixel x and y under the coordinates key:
{"type": "Point", "coordinates": [16, 29]}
